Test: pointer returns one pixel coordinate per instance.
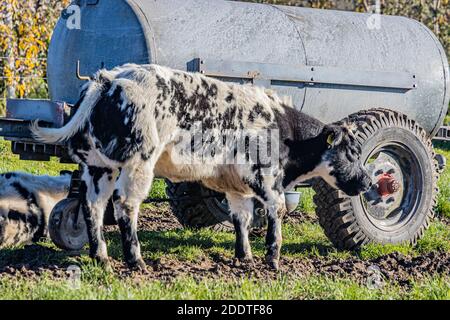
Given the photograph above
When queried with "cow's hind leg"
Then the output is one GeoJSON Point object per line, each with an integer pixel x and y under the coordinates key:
{"type": "Point", "coordinates": [132, 188]}
{"type": "Point", "coordinates": [241, 209]}
{"type": "Point", "coordinates": [97, 186]}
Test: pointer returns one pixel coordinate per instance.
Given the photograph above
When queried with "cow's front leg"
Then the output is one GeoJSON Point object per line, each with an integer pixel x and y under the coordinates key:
{"type": "Point", "coordinates": [274, 206]}
{"type": "Point", "coordinates": [97, 186]}
{"type": "Point", "coordinates": [268, 189]}
{"type": "Point", "coordinates": [132, 188]}
{"type": "Point", "coordinates": [241, 209]}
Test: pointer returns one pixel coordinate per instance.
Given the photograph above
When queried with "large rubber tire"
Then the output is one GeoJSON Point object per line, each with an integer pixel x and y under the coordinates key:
{"type": "Point", "coordinates": [198, 207]}
{"type": "Point", "coordinates": [345, 219]}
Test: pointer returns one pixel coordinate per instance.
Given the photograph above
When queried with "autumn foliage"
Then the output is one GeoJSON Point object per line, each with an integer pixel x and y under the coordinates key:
{"type": "Point", "coordinates": [25, 30]}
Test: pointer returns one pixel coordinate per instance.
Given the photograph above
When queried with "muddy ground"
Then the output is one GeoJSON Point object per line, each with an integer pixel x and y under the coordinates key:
{"type": "Point", "coordinates": [394, 267]}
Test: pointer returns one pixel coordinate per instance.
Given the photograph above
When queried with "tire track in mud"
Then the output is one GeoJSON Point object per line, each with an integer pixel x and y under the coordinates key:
{"type": "Point", "coordinates": [395, 267]}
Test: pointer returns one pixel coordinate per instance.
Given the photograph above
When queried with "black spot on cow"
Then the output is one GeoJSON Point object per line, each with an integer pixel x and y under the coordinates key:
{"type": "Point", "coordinates": [208, 123]}
{"type": "Point", "coordinates": [256, 183]}
{"type": "Point", "coordinates": [162, 87]}
{"type": "Point", "coordinates": [278, 184]}
{"type": "Point", "coordinates": [251, 116]}
{"type": "Point", "coordinates": [258, 111]}
{"type": "Point", "coordinates": [240, 114]}
{"type": "Point", "coordinates": [97, 173]}
{"type": "Point", "coordinates": [108, 122]}
{"type": "Point", "coordinates": [79, 145]}
{"type": "Point", "coordinates": [17, 216]}
{"type": "Point", "coordinates": [147, 155]}
{"type": "Point", "coordinates": [179, 103]}
{"type": "Point", "coordinates": [31, 219]}
{"type": "Point", "coordinates": [212, 92]}
{"type": "Point", "coordinates": [230, 97]}
{"type": "Point", "coordinates": [229, 118]}
{"type": "Point", "coordinates": [25, 194]}
{"type": "Point", "coordinates": [211, 89]}
{"type": "Point", "coordinates": [31, 226]}
{"type": "Point", "coordinates": [116, 197]}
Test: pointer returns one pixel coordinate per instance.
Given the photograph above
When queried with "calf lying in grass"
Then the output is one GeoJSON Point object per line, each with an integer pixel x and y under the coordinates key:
{"type": "Point", "coordinates": [26, 202]}
{"type": "Point", "coordinates": [135, 122]}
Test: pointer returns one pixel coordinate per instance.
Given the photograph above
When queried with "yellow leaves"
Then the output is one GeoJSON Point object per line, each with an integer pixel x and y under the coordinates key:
{"type": "Point", "coordinates": [22, 89]}
{"type": "Point", "coordinates": [26, 41]}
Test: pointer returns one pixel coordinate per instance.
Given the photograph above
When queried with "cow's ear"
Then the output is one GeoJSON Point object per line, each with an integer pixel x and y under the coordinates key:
{"type": "Point", "coordinates": [334, 135]}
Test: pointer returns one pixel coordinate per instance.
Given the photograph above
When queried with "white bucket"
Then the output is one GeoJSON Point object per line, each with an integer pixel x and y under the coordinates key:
{"type": "Point", "coordinates": [292, 200]}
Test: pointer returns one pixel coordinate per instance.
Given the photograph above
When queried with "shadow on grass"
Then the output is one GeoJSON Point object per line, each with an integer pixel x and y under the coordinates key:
{"type": "Point", "coordinates": [169, 242]}
{"type": "Point", "coordinates": [41, 256]}
{"type": "Point", "coordinates": [33, 256]}
{"type": "Point", "coordinates": [308, 248]}
{"type": "Point", "coordinates": [175, 241]}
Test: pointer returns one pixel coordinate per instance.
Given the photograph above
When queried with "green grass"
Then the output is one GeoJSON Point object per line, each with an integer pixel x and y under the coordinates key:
{"type": "Point", "coordinates": [301, 241]}
{"type": "Point", "coordinates": [10, 162]}
{"type": "Point", "coordinates": [447, 119]}
{"type": "Point", "coordinates": [186, 288]}
{"type": "Point", "coordinates": [443, 205]}
{"type": "Point", "coordinates": [306, 200]}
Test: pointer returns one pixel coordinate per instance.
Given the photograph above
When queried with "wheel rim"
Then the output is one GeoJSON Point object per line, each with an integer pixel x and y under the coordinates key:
{"type": "Point", "coordinates": [397, 177]}
{"type": "Point", "coordinates": [217, 204]}
{"type": "Point", "coordinates": [67, 230]}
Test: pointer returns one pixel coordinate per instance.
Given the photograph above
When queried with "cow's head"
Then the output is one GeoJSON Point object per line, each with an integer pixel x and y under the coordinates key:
{"type": "Point", "coordinates": [341, 162]}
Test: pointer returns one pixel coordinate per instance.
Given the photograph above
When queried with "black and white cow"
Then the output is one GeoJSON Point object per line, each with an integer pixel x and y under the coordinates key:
{"type": "Point", "coordinates": [26, 202]}
{"type": "Point", "coordinates": [128, 127]}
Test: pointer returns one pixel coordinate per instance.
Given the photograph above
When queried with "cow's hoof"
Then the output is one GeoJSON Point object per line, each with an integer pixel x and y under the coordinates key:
{"type": "Point", "coordinates": [138, 265]}
{"type": "Point", "coordinates": [244, 262]}
{"type": "Point", "coordinates": [273, 264]}
{"type": "Point", "coordinates": [105, 263]}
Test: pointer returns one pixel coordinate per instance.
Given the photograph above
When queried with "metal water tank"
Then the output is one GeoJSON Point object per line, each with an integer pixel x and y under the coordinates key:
{"type": "Point", "coordinates": [332, 63]}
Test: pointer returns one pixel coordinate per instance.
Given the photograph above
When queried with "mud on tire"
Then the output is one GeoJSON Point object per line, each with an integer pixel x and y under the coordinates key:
{"type": "Point", "coordinates": [346, 221]}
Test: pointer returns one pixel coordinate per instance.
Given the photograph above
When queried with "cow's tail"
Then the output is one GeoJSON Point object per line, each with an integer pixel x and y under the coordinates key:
{"type": "Point", "coordinates": [91, 95]}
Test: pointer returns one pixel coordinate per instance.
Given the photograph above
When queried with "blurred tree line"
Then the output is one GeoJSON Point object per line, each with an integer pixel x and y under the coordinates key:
{"type": "Point", "coordinates": [26, 27]}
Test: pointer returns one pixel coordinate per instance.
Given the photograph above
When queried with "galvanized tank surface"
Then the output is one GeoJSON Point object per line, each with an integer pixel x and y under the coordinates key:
{"type": "Point", "coordinates": [331, 63]}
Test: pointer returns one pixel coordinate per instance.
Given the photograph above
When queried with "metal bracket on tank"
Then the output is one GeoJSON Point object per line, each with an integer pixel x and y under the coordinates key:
{"type": "Point", "coordinates": [78, 74]}
{"type": "Point", "coordinates": [265, 74]}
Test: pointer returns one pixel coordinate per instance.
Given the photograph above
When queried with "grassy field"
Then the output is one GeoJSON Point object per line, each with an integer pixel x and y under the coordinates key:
{"type": "Point", "coordinates": [40, 270]}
